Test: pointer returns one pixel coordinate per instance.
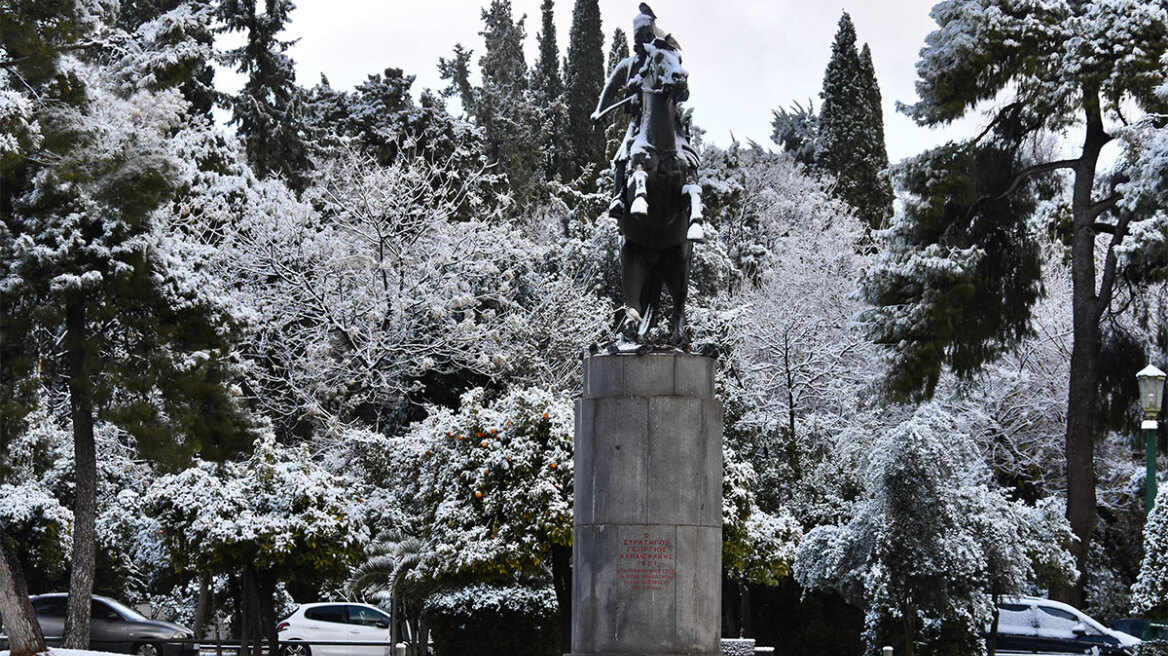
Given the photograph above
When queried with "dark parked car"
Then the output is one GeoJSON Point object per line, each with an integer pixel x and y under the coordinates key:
{"type": "Point", "coordinates": [1138, 626]}
{"type": "Point", "coordinates": [115, 627]}
{"type": "Point", "coordinates": [1034, 625]}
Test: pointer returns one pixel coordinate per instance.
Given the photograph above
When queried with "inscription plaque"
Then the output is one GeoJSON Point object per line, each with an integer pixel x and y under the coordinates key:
{"type": "Point", "coordinates": [646, 563]}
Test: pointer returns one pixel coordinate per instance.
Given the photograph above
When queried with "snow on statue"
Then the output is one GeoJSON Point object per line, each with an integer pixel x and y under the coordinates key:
{"type": "Point", "coordinates": [657, 201]}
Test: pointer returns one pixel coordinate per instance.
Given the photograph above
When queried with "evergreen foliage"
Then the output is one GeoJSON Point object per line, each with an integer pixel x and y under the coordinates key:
{"type": "Point", "coordinates": [268, 110]}
{"type": "Point", "coordinates": [1060, 66]}
{"type": "Point", "coordinates": [547, 87]}
{"type": "Point", "coordinates": [850, 144]}
{"type": "Point", "coordinates": [1150, 593]}
{"type": "Point", "coordinates": [797, 132]}
{"type": "Point", "coordinates": [181, 37]}
{"type": "Point", "coordinates": [584, 79]}
{"type": "Point", "coordinates": [501, 105]}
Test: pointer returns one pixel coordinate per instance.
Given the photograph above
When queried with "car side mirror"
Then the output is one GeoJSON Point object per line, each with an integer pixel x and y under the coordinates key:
{"type": "Point", "coordinates": [381, 624]}
{"type": "Point", "coordinates": [1079, 629]}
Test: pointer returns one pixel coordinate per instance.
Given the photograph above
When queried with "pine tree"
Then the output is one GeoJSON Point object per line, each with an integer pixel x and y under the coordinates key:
{"type": "Point", "coordinates": [797, 131]}
{"type": "Point", "coordinates": [267, 111]}
{"type": "Point", "coordinates": [182, 31]}
{"type": "Point", "coordinates": [584, 81]}
{"type": "Point", "coordinates": [963, 269]}
{"type": "Point", "coordinates": [93, 298]}
{"type": "Point", "coordinates": [850, 143]}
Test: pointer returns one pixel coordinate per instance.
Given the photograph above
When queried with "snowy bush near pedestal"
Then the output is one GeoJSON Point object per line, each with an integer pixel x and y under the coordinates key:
{"type": "Point", "coordinates": [495, 481]}
{"type": "Point", "coordinates": [485, 620]}
{"type": "Point", "coordinates": [757, 546]}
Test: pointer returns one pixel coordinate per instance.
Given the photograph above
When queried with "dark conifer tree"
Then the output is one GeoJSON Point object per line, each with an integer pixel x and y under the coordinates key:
{"type": "Point", "coordinates": [501, 105]}
{"type": "Point", "coordinates": [846, 146]}
{"type": "Point", "coordinates": [584, 80]}
{"type": "Point", "coordinates": [187, 69]}
{"type": "Point", "coordinates": [547, 91]}
{"type": "Point", "coordinates": [267, 112]}
{"type": "Point", "coordinates": [617, 122]}
{"type": "Point", "coordinates": [875, 203]}
{"type": "Point", "coordinates": [619, 48]}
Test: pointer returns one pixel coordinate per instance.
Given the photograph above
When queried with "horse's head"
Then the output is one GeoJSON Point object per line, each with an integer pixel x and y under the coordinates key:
{"type": "Point", "coordinates": [664, 72]}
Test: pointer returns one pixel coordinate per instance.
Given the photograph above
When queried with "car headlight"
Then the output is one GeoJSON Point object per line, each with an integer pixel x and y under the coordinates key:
{"type": "Point", "coordinates": [179, 635]}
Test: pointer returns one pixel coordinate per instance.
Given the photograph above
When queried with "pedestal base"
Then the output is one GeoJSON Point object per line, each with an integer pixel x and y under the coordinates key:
{"type": "Point", "coordinates": [647, 547]}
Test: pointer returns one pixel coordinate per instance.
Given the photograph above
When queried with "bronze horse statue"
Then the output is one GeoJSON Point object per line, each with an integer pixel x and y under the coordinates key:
{"type": "Point", "coordinates": [659, 213]}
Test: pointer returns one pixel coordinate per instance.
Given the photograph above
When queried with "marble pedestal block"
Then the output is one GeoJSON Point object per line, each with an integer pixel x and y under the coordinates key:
{"type": "Point", "coordinates": [647, 546]}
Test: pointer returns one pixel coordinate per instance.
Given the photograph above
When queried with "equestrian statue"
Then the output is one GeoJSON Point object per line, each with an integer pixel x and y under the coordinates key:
{"type": "Point", "coordinates": [657, 201]}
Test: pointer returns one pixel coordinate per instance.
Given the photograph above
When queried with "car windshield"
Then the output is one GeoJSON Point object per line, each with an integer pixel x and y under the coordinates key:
{"type": "Point", "coordinates": [126, 611]}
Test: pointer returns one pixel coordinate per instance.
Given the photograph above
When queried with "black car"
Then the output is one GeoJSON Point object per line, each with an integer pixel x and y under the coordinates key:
{"type": "Point", "coordinates": [1142, 628]}
{"type": "Point", "coordinates": [115, 627]}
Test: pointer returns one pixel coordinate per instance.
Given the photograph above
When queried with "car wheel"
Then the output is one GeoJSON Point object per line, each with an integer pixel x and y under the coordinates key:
{"type": "Point", "coordinates": [147, 649]}
{"type": "Point", "coordinates": [296, 649]}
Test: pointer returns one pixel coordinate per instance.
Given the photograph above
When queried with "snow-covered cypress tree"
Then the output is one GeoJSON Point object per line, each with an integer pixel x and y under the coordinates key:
{"type": "Point", "coordinates": [850, 143]}
{"type": "Point", "coordinates": [617, 122]}
{"type": "Point", "coordinates": [546, 81]}
{"type": "Point", "coordinates": [873, 198]}
{"type": "Point", "coordinates": [267, 111]}
{"type": "Point", "coordinates": [547, 90]}
{"type": "Point", "coordinates": [1150, 593]}
{"type": "Point", "coordinates": [584, 78]}
{"type": "Point", "coordinates": [619, 48]}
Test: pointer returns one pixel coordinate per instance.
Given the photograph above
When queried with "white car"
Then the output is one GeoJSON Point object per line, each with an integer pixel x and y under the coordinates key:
{"type": "Point", "coordinates": [1036, 625]}
{"type": "Point", "coordinates": [314, 625]}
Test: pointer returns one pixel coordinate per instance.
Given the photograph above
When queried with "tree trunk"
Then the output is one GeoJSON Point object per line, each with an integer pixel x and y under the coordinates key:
{"type": "Point", "coordinates": [243, 606]}
{"type": "Point", "coordinates": [744, 630]}
{"type": "Point", "coordinates": [992, 638]}
{"type": "Point", "coordinates": [397, 611]}
{"type": "Point", "coordinates": [201, 605]}
{"type": "Point", "coordinates": [1087, 305]}
{"type": "Point", "coordinates": [81, 573]}
{"type": "Point", "coordinates": [24, 633]}
{"type": "Point", "coordinates": [562, 581]}
{"type": "Point", "coordinates": [266, 587]}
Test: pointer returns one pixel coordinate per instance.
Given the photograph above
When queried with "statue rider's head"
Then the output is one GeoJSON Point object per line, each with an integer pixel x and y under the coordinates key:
{"type": "Point", "coordinates": [644, 29]}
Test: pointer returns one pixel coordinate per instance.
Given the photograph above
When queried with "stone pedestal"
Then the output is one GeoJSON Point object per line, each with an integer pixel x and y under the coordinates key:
{"type": "Point", "coordinates": [647, 546]}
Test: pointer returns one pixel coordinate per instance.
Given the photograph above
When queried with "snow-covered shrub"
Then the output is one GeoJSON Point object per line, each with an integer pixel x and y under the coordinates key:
{"type": "Point", "coordinates": [1150, 593]}
{"type": "Point", "coordinates": [495, 481]}
{"type": "Point", "coordinates": [486, 620]}
{"type": "Point", "coordinates": [277, 511]}
{"type": "Point", "coordinates": [929, 543]}
{"type": "Point", "coordinates": [41, 532]}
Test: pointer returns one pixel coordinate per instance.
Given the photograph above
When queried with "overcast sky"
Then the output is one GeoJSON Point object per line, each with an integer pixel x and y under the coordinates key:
{"type": "Point", "coordinates": [745, 57]}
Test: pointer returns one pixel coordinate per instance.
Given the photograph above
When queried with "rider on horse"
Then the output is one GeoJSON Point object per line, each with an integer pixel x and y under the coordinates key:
{"type": "Point", "coordinates": [624, 87]}
{"type": "Point", "coordinates": [658, 205]}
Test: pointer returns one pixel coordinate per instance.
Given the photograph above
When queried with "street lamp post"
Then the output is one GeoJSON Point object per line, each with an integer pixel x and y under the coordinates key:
{"type": "Point", "coordinates": [1151, 397]}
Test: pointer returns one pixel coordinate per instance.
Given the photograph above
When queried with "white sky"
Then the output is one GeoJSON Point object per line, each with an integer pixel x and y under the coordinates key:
{"type": "Point", "coordinates": [745, 57]}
